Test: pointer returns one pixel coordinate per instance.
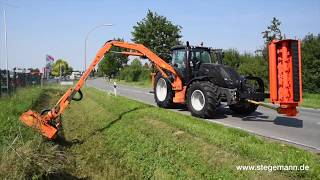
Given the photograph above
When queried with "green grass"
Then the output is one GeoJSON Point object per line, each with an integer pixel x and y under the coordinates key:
{"type": "Point", "coordinates": [128, 139]}
{"type": "Point", "coordinates": [11, 109]}
{"type": "Point", "coordinates": [23, 153]}
{"type": "Point", "coordinates": [311, 100]}
{"type": "Point", "coordinates": [113, 137]}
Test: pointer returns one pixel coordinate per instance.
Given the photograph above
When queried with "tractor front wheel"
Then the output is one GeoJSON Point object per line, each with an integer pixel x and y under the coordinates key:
{"type": "Point", "coordinates": [163, 93]}
{"type": "Point", "coordinates": [202, 99]}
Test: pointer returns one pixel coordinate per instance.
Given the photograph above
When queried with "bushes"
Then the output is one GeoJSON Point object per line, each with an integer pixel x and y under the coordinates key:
{"type": "Point", "coordinates": [247, 64]}
{"type": "Point", "coordinates": [254, 65]}
{"type": "Point", "coordinates": [135, 72]}
{"type": "Point", "coordinates": [311, 63]}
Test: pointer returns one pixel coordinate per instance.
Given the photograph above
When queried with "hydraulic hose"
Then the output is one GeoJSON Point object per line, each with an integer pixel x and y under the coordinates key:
{"type": "Point", "coordinates": [79, 98]}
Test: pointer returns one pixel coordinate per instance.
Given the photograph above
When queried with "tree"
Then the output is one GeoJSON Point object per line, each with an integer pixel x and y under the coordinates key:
{"type": "Point", "coordinates": [311, 63]}
{"type": "Point", "coordinates": [273, 31]}
{"type": "Point", "coordinates": [247, 64]}
{"type": "Point", "coordinates": [232, 58]}
{"type": "Point", "coordinates": [254, 65]}
{"type": "Point", "coordinates": [136, 63]}
{"type": "Point", "coordinates": [157, 33]}
{"type": "Point", "coordinates": [135, 72]}
{"type": "Point", "coordinates": [112, 62]}
{"type": "Point", "coordinates": [61, 66]}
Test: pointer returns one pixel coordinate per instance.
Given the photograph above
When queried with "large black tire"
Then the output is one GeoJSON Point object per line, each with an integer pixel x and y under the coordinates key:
{"type": "Point", "coordinates": [163, 98]}
{"type": "Point", "coordinates": [243, 108]}
{"type": "Point", "coordinates": [207, 91]}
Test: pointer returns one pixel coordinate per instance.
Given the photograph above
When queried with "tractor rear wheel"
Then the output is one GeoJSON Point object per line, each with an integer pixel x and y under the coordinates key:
{"type": "Point", "coordinates": [243, 108]}
{"type": "Point", "coordinates": [202, 99]}
{"type": "Point", "coordinates": [163, 93]}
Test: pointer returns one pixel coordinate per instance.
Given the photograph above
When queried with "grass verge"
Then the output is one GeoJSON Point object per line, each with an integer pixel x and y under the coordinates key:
{"type": "Point", "coordinates": [113, 137]}
{"type": "Point", "coordinates": [311, 100]}
{"type": "Point", "coordinates": [123, 138]}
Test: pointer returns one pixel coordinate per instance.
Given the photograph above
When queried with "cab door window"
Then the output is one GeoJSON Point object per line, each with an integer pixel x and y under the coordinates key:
{"type": "Point", "coordinates": [178, 58]}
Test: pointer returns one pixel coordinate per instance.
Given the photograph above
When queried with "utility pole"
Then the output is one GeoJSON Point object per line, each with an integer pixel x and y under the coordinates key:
{"type": "Point", "coordinates": [6, 49]}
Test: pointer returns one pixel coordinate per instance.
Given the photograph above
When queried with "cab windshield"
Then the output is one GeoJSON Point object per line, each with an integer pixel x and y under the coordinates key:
{"type": "Point", "coordinates": [202, 56]}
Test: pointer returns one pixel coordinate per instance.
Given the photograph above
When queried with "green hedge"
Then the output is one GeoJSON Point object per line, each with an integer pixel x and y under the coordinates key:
{"type": "Point", "coordinates": [135, 72]}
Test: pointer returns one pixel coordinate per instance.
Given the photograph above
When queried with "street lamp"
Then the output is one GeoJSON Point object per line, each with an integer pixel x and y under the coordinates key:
{"type": "Point", "coordinates": [85, 42]}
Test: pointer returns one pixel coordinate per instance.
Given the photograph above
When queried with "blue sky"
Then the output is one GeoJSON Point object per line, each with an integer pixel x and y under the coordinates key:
{"type": "Point", "coordinates": [58, 27]}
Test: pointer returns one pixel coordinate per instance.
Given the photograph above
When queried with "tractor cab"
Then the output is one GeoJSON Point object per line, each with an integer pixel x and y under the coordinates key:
{"type": "Point", "coordinates": [186, 60]}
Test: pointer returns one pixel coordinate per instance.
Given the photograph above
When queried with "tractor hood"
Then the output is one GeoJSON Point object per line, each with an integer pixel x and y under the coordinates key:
{"type": "Point", "coordinates": [222, 75]}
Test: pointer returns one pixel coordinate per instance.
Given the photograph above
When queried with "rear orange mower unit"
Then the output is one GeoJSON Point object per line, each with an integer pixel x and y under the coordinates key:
{"type": "Point", "coordinates": [285, 75]}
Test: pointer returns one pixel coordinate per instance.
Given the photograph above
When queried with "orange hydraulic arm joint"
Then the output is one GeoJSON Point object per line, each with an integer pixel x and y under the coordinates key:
{"type": "Point", "coordinates": [285, 75]}
{"type": "Point", "coordinates": [46, 122]}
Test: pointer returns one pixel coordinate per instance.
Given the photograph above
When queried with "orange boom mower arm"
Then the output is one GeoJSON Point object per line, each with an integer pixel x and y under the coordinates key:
{"type": "Point", "coordinates": [46, 123]}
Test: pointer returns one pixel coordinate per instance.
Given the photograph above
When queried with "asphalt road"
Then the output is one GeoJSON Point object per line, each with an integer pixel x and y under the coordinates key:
{"type": "Point", "coordinates": [303, 130]}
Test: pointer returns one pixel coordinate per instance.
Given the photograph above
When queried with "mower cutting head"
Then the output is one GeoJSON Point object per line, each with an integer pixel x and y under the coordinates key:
{"type": "Point", "coordinates": [40, 123]}
{"type": "Point", "coordinates": [285, 75]}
